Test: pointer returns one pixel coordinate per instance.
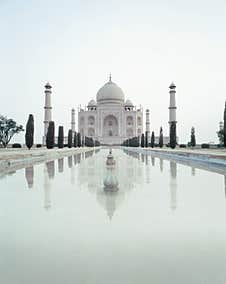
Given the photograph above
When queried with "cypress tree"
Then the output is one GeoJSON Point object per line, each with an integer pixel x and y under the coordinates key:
{"type": "Point", "coordinates": [79, 143]}
{"type": "Point", "coordinates": [29, 135]}
{"type": "Point", "coordinates": [83, 141]}
{"type": "Point", "coordinates": [152, 139]}
{"type": "Point", "coordinates": [225, 125]}
{"type": "Point", "coordinates": [75, 140]}
{"type": "Point", "coordinates": [173, 139]}
{"type": "Point", "coordinates": [50, 135]}
{"type": "Point", "coordinates": [146, 139]}
{"type": "Point", "coordinates": [161, 138]}
{"type": "Point", "coordinates": [60, 141]}
{"type": "Point", "coordinates": [142, 140]}
{"type": "Point", "coordinates": [193, 140]}
{"type": "Point", "coordinates": [69, 138]}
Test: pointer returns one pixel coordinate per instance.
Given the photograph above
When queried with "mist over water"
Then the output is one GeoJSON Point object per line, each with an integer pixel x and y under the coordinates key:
{"type": "Point", "coordinates": [165, 224]}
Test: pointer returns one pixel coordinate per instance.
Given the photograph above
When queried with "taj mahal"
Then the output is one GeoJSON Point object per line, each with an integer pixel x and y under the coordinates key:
{"type": "Point", "coordinates": [110, 119]}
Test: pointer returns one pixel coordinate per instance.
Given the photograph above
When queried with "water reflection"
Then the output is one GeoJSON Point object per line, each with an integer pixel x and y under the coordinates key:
{"type": "Point", "coordinates": [90, 174]}
{"type": "Point", "coordinates": [110, 201]}
{"type": "Point", "coordinates": [29, 175]}
{"type": "Point", "coordinates": [173, 185]}
{"type": "Point", "coordinates": [173, 175]}
{"type": "Point", "coordinates": [48, 174]}
{"type": "Point", "coordinates": [69, 159]}
{"type": "Point", "coordinates": [50, 169]}
{"type": "Point", "coordinates": [146, 160]}
{"type": "Point", "coordinates": [152, 161]}
{"type": "Point", "coordinates": [142, 158]}
{"type": "Point", "coordinates": [225, 186]}
{"type": "Point", "coordinates": [61, 165]}
{"type": "Point", "coordinates": [161, 164]}
{"type": "Point", "coordinates": [147, 169]}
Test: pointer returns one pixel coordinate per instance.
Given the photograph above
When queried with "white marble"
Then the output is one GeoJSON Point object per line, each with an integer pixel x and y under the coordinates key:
{"type": "Point", "coordinates": [110, 119]}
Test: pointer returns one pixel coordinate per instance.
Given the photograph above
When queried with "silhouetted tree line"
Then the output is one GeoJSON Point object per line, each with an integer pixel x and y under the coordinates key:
{"type": "Point", "coordinates": [74, 139]}
{"type": "Point", "coordinates": [131, 142]}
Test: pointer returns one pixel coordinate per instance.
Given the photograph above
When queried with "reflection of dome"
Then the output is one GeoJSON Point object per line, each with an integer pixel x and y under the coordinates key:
{"type": "Point", "coordinates": [92, 103]}
{"type": "Point", "coordinates": [128, 103]}
{"type": "Point", "coordinates": [110, 93]}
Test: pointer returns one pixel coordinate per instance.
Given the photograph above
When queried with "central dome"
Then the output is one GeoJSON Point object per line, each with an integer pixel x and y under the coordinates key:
{"type": "Point", "coordinates": [110, 93]}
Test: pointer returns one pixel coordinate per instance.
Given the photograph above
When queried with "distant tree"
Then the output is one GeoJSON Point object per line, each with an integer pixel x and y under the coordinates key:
{"type": "Point", "coordinates": [50, 135]}
{"type": "Point", "coordinates": [142, 140]}
{"type": "Point", "coordinates": [152, 139]}
{"type": "Point", "coordinates": [79, 142]}
{"type": "Point", "coordinates": [75, 140]}
{"type": "Point", "coordinates": [8, 128]}
{"type": "Point", "coordinates": [220, 133]}
{"type": "Point", "coordinates": [193, 140]}
{"type": "Point", "coordinates": [146, 139]}
{"type": "Point", "coordinates": [89, 142]}
{"type": "Point", "coordinates": [83, 141]}
{"type": "Point", "coordinates": [69, 138]}
{"type": "Point", "coordinates": [134, 142]}
{"type": "Point", "coordinates": [97, 143]}
{"type": "Point", "coordinates": [173, 137]}
{"type": "Point", "coordinates": [29, 135]}
{"type": "Point", "coordinates": [60, 137]}
{"type": "Point", "coordinates": [225, 125]}
{"type": "Point", "coordinates": [161, 137]}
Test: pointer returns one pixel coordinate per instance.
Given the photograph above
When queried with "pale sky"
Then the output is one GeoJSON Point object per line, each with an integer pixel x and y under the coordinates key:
{"type": "Point", "coordinates": [144, 44]}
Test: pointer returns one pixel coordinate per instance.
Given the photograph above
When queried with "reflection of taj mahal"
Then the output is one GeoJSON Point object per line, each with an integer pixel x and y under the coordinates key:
{"type": "Point", "coordinates": [110, 119]}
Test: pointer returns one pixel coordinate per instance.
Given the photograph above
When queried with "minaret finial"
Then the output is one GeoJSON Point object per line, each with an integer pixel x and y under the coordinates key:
{"type": "Point", "coordinates": [110, 77]}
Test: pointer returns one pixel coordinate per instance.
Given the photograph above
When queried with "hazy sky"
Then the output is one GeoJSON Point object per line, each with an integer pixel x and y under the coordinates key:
{"type": "Point", "coordinates": [144, 44]}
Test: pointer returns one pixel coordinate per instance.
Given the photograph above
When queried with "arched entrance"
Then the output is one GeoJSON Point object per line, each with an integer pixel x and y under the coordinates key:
{"type": "Point", "coordinates": [110, 127]}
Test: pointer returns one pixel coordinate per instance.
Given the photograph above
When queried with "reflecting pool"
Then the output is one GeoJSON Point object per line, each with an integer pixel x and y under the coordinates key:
{"type": "Point", "coordinates": [165, 224]}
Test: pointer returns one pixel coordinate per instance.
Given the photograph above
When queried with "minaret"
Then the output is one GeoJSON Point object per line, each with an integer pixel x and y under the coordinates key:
{"type": "Point", "coordinates": [172, 105]}
{"type": "Point", "coordinates": [148, 123]}
{"type": "Point", "coordinates": [47, 109]}
{"type": "Point", "coordinates": [73, 120]}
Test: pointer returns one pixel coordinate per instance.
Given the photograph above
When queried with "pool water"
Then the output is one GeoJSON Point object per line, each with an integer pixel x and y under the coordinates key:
{"type": "Point", "coordinates": [165, 224]}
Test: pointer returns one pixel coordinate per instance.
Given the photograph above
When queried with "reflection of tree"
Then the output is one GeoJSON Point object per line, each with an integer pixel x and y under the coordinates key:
{"type": "Point", "coordinates": [89, 154]}
{"type": "Point", "coordinates": [61, 165]}
{"type": "Point", "coordinates": [193, 171]}
{"type": "Point", "coordinates": [146, 160]}
{"type": "Point", "coordinates": [173, 169]}
{"type": "Point", "coordinates": [161, 164]}
{"type": "Point", "coordinates": [69, 159]}
{"type": "Point", "coordinates": [79, 158]}
{"type": "Point", "coordinates": [75, 159]}
{"type": "Point", "coordinates": [152, 161]}
{"type": "Point", "coordinates": [142, 158]}
{"type": "Point", "coordinates": [29, 174]}
{"type": "Point", "coordinates": [147, 169]}
{"type": "Point", "coordinates": [173, 185]}
{"type": "Point", "coordinates": [51, 169]}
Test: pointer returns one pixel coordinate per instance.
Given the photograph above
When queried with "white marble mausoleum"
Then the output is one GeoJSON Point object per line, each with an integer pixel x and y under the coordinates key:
{"type": "Point", "coordinates": [110, 119]}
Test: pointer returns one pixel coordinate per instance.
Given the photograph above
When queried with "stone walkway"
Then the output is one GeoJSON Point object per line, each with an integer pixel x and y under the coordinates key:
{"type": "Point", "coordinates": [19, 158]}
{"type": "Point", "coordinates": [210, 159]}
{"type": "Point", "coordinates": [218, 153]}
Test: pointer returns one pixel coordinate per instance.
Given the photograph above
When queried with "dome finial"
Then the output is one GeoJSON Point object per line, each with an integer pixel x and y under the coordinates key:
{"type": "Point", "coordinates": [110, 77]}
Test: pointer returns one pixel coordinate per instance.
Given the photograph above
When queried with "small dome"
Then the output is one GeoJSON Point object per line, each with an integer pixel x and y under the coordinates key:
{"type": "Point", "coordinates": [128, 103]}
{"type": "Point", "coordinates": [92, 103]}
{"type": "Point", "coordinates": [110, 93]}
